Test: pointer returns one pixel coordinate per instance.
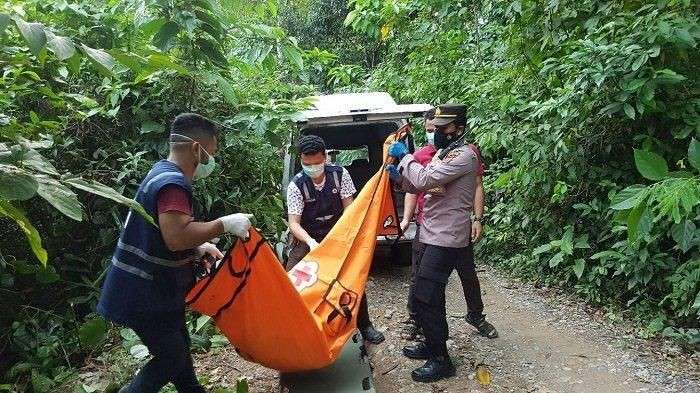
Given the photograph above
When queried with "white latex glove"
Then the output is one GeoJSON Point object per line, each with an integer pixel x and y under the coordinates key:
{"type": "Point", "coordinates": [313, 244]}
{"type": "Point", "coordinates": [237, 224]}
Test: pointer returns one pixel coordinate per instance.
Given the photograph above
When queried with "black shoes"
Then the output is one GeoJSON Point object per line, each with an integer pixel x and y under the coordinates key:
{"type": "Point", "coordinates": [485, 329]}
{"type": "Point", "coordinates": [434, 369]}
{"type": "Point", "coordinates": [416, 351]}
{"type": "Point", "coordinates": [372, 335]}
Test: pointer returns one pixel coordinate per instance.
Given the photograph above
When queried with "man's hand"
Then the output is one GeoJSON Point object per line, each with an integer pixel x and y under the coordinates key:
{"type": "Point", "coordinates": [404, 225]}
{"type": "Point", "coordinates": [476, 231]}
{"type": "Point", "coordinates": [237, 224]}
{"type": "Point", "coordinates": [393, 172]}
{"type": "Point", "coordinates": [209, 249]}
{"type": "Point", "coordinates": [313, 244]}
{"type": "Point", "coordinates": [398, 150]}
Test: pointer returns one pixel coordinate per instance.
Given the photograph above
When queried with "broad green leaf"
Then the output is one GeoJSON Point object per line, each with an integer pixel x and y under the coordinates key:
{"type": "Point", "coordinates": [567, 242]}
{"type": "Point", "coordinates": [150, 28]}
{"type": "Point", "coordinates": [579, 265]}
{"type": "Point", "coordinates": [33, 159]}
{"type": "Point", "coordinates": [211, 50]}
{"type": "Point", "coordinates": [139, 351]}
{"type": "Point", "coordinates": [15, 184]}
{"type": "Point", "coordinates": [74, 63]}
{"type": "Point", "coordinates": [225, 87]}
{"type": "Point", "coordinates": [694, 153]}
{"type": "Point", "coordinates": [201, 322]}
{"type": "Point", "coordinates": [242, 385]}
{"type": "Point", "coordinates": [164, 38]}
{"type": "Point", "coordinates": [639, 222]}
{"type": "Point", "coordinates": [542, 249]}
{"type": "Point", "coordinates": [92, 332]}
{"type": "Point", "coordinates": [629, 111]}
{"type": "Point", "coordinates": [684, 233]}
{"type": "Point", "coordinates": [667, 76]}
{"type": "Point", "coordinates": [650, 165]}
{"type": "Point", "coordinates": [629, 197]}
{"type": "Point", "coordinates": [101, 59]}
{"type": "Point", "coordinates": [102, 190]}
{"type": "Point", "coordinates": [133, 62]}
{"type": "Point", "coordinates": [5, 21]}
{"type": "Point", "coordinates": [293, 55]}
{"type": "Point", "coordinates": [141, 16]}
{"type": "Point", "coordinates": [85, 101]}
{"type": "Point", "coordinates": [149, 127]}
{"type": "Point", "coordinates": [33, 34]}
{"type": "Point", "coordinates": [556, 259]}
{"type": "Point", "coordinates": [62, 47]}
{"type": "Point", "coordinates": [60, 197]}
{"type": "Point", "coordinates": [30, 232]}
{"type": "Point", "coordinates": [46, 275]}
{"type": "Point", "coordinates": [159, 62]}
{"type": "Point", "coordinates": [41, 383]}
{"type": "Point", "coordinates": [582, 242]}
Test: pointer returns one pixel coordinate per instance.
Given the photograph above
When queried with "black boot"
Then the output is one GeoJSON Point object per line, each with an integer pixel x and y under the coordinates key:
{"type": "Point", "coordinates": [372, 335]}
{"type": "Point", "coordinates": [435, 369]}
{"type": "Point", "coordinates": [418, 351]}
{"type": "Point", "coordinates": [485, 329]}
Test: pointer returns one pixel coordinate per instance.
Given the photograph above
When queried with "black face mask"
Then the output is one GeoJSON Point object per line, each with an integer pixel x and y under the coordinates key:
{"type": "Point", "coordinates": [443, 140]}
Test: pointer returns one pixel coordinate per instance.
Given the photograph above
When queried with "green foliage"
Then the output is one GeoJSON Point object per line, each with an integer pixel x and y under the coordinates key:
{"type": "Point", "coordinates": [588, 114]}
{"type": "Point", "coordinates": [88, 89]}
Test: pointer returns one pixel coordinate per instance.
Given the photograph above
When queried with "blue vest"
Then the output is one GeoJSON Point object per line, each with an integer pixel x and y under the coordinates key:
{"type": "Point", "coordinates": [322, 209]}
{"type": "Point", "coordinates": [146, 280]}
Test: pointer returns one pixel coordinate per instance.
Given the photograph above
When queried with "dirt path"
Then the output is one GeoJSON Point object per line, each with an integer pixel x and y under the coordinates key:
{"type": "Point", "coordinates": [548, 343]}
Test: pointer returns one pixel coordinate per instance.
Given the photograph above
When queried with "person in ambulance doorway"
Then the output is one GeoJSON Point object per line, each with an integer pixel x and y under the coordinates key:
{"type": "Point", "coordinates": [413, 204]}
{"type": "Point", "coordinates": [316, 199]}
{"type": "Point", "coordinates": [449, 184]}
{"type": "Point", "coordinates": [152, 267]}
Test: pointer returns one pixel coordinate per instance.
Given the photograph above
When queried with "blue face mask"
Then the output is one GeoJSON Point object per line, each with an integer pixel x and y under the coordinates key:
{"type": "Point", "coordinates": [313, 171]}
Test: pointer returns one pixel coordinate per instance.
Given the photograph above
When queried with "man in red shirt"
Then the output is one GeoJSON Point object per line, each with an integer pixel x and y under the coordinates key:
{"type": "Point", "coordinates": [413, 203]}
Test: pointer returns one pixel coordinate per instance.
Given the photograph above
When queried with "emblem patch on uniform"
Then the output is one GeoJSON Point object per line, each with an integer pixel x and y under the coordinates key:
{"type": "Point", "coordinates": [451, 155]}
{"type": "Point", "coordinates": [304, 274]}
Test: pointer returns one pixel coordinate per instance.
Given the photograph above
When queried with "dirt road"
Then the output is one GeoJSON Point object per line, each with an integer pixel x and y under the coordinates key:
{"type": "Point", "coordinates": [548, 343]}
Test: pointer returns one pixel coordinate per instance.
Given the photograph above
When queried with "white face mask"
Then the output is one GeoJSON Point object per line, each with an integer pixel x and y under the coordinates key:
{"type": "Point", "coordinates": [202, 170]}
{"type": "Point", "coordinates": [313, 171]}
{"type": "Point", "coordinates": [430, 137]}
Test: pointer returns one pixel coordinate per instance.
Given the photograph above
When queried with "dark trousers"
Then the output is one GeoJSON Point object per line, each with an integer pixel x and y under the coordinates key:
{"type": "Point", "coordinates": [171, 362]}
{"type": "Point", "coordinates": [297, 250]}
{"type": "Point", "coordinates": [467, 276]}
{"type": "Point", "coordinates": [436, 265]}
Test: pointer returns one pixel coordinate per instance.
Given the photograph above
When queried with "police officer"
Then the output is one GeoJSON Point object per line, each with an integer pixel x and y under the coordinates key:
{"type": "Point", "coordinates": [413, 204]}
{"type": "Point", "coordinates": [152, 267]}
{"type": "Point", "coordinates": [449, 182]}
{"type": "Point", "coordinates": [316, 199]}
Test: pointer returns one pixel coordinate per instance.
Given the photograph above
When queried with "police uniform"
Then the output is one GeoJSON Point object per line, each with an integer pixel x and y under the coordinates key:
{"type": "Point", "coordinates": [145, 288]}
{"type": "Point", "coordinates": [449, 184]}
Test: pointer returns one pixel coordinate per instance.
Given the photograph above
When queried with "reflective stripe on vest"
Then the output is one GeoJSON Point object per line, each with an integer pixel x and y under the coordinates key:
{"type": "Point", "coordinates": [150, 258]}
{"type": "Point", "coordinates": [131, 269]}
{"type": "Point", "coordinates": [159, 176]}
